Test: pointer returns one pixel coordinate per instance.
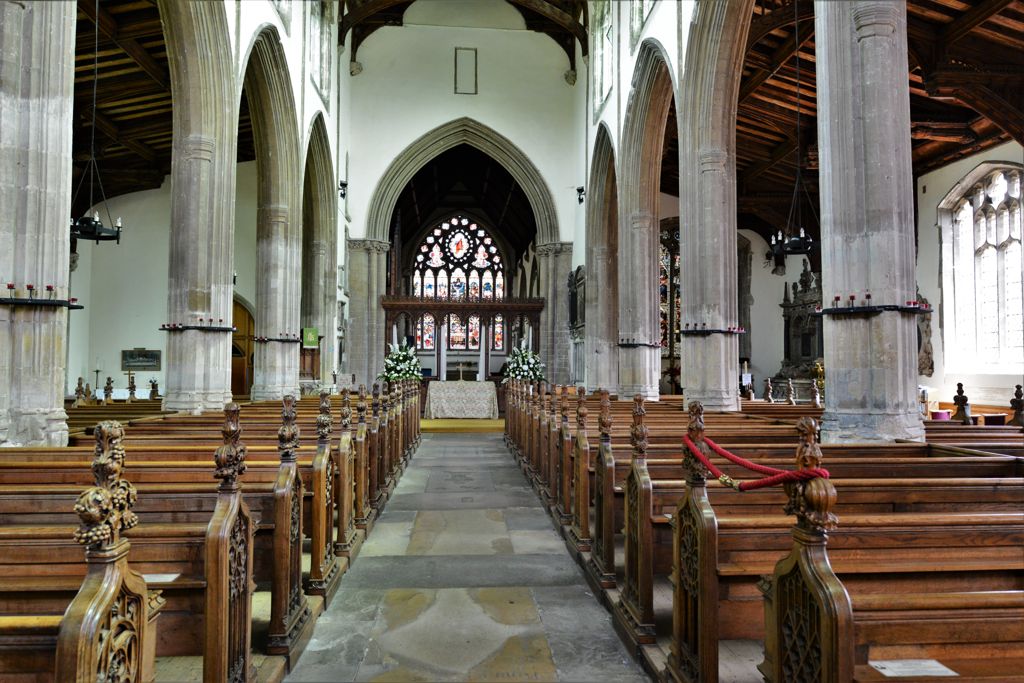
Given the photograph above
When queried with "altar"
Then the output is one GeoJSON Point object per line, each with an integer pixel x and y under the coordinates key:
{"type": "Point", "coordinates": [461, 399]}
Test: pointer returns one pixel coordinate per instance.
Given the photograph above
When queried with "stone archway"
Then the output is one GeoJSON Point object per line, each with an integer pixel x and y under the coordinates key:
{"type": "Point", "coordinates": [278, 229]}
{"type": "Point", "coordinates": [368, 257]}
{"type": "Point", "coordinates": [643, 135]}
{"type": "Point", "coordinates": [319, 247]}
{"type": "Point", "coordinates": [707, 199]}
{"type": "Point", "coordinates": [198, 375]}
{"type": "Point", "coordinates": [602, 305]}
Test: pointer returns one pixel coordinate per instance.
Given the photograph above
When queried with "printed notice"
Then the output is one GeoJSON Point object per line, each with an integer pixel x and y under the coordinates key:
{"type": "Point", "coordinates": [912, 667]}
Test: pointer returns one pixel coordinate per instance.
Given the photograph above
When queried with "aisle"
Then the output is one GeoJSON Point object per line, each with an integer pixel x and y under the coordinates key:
{"type": "Point", "coordinates": [463, 578]}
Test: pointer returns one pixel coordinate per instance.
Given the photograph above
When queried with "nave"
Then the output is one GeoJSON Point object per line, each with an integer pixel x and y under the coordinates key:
{"type": "Point", "coordinates": [464, 578]}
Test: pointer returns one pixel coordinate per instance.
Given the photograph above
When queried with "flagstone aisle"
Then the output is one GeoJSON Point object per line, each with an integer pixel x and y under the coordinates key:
{"type": "Point", "coordinates": [464, 578]}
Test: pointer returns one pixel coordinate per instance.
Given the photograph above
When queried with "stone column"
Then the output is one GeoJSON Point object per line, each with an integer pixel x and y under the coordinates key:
{"type": "Point", "coordinates": [867, 218]}
{"type": "Point", "coordinates": [639, 339]}
{"type": "Point", "coordinates": [276, 371]}
{"type": "Point", "coordinates": [367, 262]}
{"type": "Point", "coordinates": [555, 262]}
{"type": "Point", "coordinates": [707, 278]}
{"type": "Point", "coordinates": [203, 168]}
{"type": "Point", "coordinates": [601, 341]}
{"type": "Point", "coordinates": [37, 59]}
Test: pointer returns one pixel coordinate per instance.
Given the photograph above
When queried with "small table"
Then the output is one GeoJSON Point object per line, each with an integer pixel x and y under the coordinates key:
{"type": "Point", "coordinates": [477, 400]}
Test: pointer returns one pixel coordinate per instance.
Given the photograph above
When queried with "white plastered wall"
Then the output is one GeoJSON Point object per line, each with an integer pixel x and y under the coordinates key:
{"type": "Point", "coordinates": [931, 189]}
{"type": "Point", "coordinates": [406, 89]}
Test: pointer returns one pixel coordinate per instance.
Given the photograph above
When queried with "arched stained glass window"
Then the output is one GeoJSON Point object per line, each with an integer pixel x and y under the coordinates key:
{"type": "Point", "coordinates": [452, 249]}
{"type": "Point", "coordinates": [417, 284]}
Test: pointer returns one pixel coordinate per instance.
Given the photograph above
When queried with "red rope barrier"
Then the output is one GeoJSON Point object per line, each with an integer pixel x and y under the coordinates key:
{"type": "Point", "coordinates": [776, 476]}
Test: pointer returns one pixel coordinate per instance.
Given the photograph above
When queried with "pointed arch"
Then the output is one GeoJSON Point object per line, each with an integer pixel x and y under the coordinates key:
{"type": "Point", "coordinates": [268, 88]}
{"type": "Point", "coordinates": [707, 198]}
{"type": "Point", "coordinates": [320, 244]}
{"type": "Point", "coordinates": [641, 147]}
{"type": "Point", "coordinates": [602, 330]}
{"type": "Point", "coordinates": [458, 132]}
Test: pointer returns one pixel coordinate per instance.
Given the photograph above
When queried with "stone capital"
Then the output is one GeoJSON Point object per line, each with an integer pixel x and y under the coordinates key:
{"type": "Point", "coordinates": [554, 249]}
{"type": "Point", "coordinates": [369, 246]}
{"type": "Point", "coordinates": [198, 147]}
{"type": "Point", "coordinates": [875, 20]}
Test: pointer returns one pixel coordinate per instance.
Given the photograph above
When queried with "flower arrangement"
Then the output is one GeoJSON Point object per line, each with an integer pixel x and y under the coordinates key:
{"type": "Point", "coordinates": [523, 364]}
{"type": "Point", "coordinates": [401, 363]}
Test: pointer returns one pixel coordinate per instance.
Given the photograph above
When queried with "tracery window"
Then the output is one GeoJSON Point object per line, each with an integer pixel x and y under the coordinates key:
{"type": "Point", "coordinates": [638, 12]}
{"type": "Point", "coordinates": [458, 259]}
{"type": "Point", "coordinates": [602, 41]}
{"type": "Point", "coordinates": [988, 304]}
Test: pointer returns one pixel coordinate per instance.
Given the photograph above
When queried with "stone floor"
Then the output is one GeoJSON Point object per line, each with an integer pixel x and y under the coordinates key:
{"type": "Point", "coordinates": [463, 578]}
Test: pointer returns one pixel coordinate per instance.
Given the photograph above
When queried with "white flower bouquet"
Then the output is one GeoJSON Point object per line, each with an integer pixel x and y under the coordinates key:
{"type": "Point", "coordinates": [401, 363]}
{"type": "Point", "coordinates": [523, 364]}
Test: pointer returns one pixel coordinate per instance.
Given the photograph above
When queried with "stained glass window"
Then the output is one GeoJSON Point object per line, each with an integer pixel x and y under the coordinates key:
{"type": "Point", "coordinates": [425, 333]}
{"type": "Point", "coordinates": [498, 334]}
{"type": "Point", "coordinates": [474, 332]}
{"type": "Point", "coordinates": [452, 249]}
{"type": "Point", "coordinates": [456, 333]}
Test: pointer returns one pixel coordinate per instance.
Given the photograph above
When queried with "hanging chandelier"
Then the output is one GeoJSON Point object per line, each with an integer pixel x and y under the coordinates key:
{"type": "Point", "coordinates": [794, 240]}
{"type": "Point", "coordinates": [92, 227]}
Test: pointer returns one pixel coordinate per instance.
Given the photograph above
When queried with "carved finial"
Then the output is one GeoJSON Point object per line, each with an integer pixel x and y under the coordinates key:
{"type": "Point", "coordinates": [288, 434]}
{"type": "Point", "coordinates": [385, 398]}
{"type": "Point", "coordinates": [375, 400]}
{"type": "Point", "coordinates": [815, 394]}
{"type": "Point", "coordinates": [768, 390]}
{"type": "Point", "coordinates": [695, 430]}
{"type": "Point", "coordinates": [963, 407]}
{"type": "Point", "coordinates": [108, 390]}
{"type": "Point", "coordinates": [346, 411]}
{"type": "Point", "coordinates": [230, 457]}
{"type": "Point", "coordinates": [361, 405]}
{"type": "Point", "coordinates": [638, 431]}
{"type": "Point", "coordinates": [812, 501]}
{"type": "Point", "coordinates": [1017, 404]}
{"type": "Point", "coordinates": [790, 392]}
{"type": "Point", "coordinates": [154, 390]}
{"type": "Point", "coordinates": [88, 394]}
{"type": "Point", "coordinates": [324, 421]}
{"type": "Point", "coordinates": [131, 386]}
{"type": "Point", "coordinates": [604, 418]}
{"type": "Point", "coordinates": [106, 508]}
{"type": "Point", "coordinates": [556, 401]}
{"type": "Point", "coordinates": [581, 408]}
{"type": "Point", "coordinates": [564, 407]}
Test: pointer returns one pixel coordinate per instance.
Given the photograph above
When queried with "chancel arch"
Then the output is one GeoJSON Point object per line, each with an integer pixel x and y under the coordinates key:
{"type": "Point", "coordinates": [464, 136]}
{"type": "Point", "coordinates": [268, 90]}
{"type": "Point", "coordinates": [639, 184]}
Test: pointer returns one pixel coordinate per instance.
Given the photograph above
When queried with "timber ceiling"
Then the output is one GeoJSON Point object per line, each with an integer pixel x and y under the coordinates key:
{"type": "Point", "coordinates": [133, 100]}
{"type": "Point", "coordinates": [564, 21]}
{"type": "Point", "coordinates": [966, 95]}
{"type": "Point", "coordinates": [465, 179]}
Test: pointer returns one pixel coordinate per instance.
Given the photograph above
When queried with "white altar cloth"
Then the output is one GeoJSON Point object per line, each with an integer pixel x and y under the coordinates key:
{"type": "Point", "coordinates": [461, 400]}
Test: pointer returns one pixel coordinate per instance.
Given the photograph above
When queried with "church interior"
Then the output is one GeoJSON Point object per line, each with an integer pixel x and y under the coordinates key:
{"type": "Point", "coordinates": [511, 340]}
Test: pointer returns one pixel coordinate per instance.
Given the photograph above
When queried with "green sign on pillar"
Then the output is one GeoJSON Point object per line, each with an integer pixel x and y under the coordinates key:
{"type": "Point", "coordinates": [310, 338]}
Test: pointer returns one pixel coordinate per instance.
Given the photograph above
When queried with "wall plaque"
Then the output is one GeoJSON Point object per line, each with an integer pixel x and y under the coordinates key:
{"type": "Point", "coordinates": [140, 359]}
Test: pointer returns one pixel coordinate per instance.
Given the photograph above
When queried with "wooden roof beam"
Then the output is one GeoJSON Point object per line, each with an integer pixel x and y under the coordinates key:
{"type": "Point", "coordinates": [558, 16]}
{"type": "Point", "coordinates": [110, 129]}
{"type": "Point", "coordinates": [779, 57]}
{"type": "Point", "coordinates": [108, 26]}
{"type": "Point", "coordinates": [971, 19]}
{"type": "Point", "coordinates": [778, 154]}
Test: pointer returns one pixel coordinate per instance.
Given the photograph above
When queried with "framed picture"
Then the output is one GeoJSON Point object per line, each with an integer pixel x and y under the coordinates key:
{"type": "Point", "coordinates": [140, 359]}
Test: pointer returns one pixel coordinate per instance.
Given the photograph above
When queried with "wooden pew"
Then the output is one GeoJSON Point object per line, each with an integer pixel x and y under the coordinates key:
{"type": "Point", "coordinates": [719, 554]}
{"type": "Point", "coordinates": [204, 571]}
{"type": "Point", "coordinates": [113, 599]}
{"type": "Point", "coordinates": [824, 629]}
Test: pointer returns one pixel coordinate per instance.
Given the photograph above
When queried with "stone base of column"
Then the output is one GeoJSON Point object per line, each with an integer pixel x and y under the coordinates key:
{"type": "Point", "coordinates": [709, 372]}
{"type": "Point", "coordinates": [860, 427]}
{"type": "Point", "coordinates": [276, 371]}
{"type": "Point", "coordinates": [638, 371]}
{"type": "Point", "coordinates": [195, 402]}
{"type": "Point", "coordinates": [36, 428]}
{"type": "Point", "coordinates": [198, 372]}
{"type": "Point", "coordinates": [713, 401]}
